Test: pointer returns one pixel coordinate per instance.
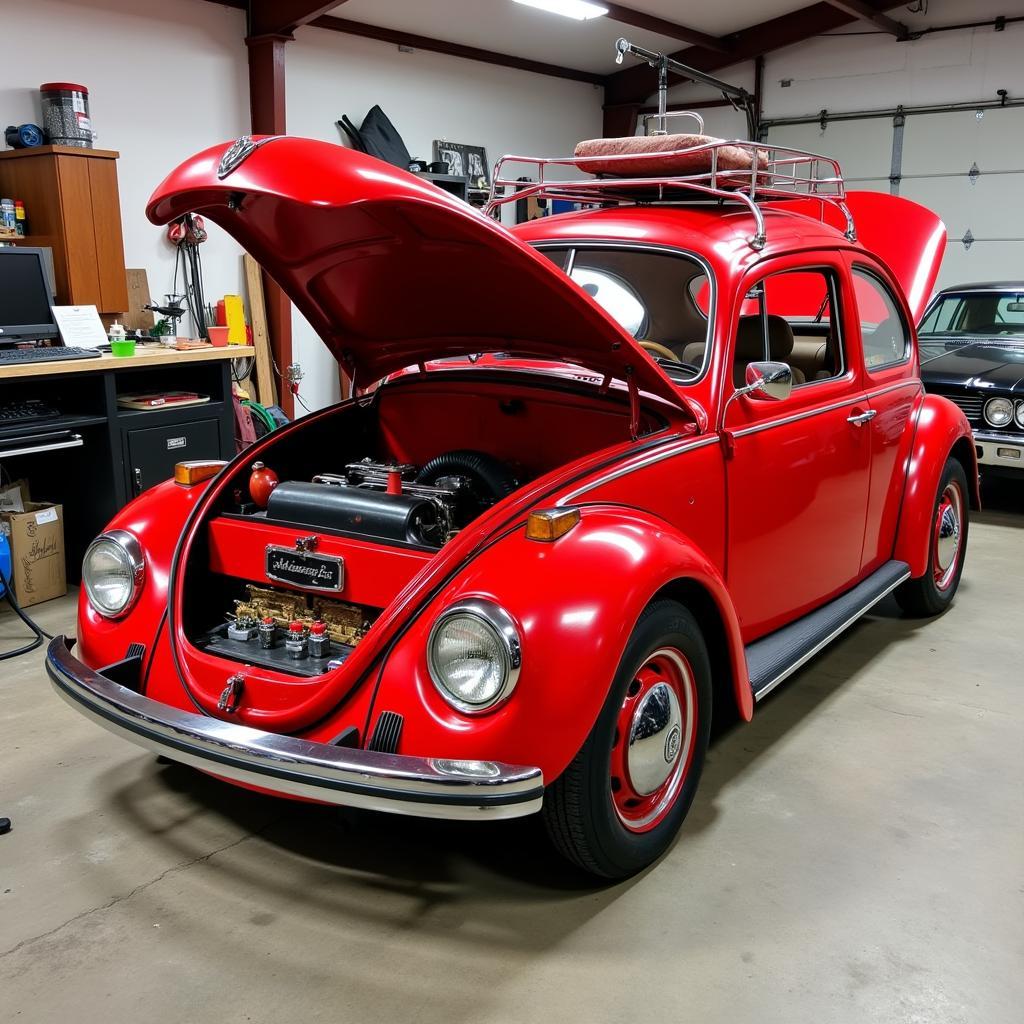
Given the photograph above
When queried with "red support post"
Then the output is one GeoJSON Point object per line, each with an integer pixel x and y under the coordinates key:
{"type": "Point", "coordinates": [267, 112]}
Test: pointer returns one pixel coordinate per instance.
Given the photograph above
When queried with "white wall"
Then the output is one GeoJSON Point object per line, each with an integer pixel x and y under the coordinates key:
{"type": "Point", "coordinates": [427, 96]}
{"type": "Point", "coordinates": [166, 79]}
{"type": "Point", "coordinates": [849, 71]}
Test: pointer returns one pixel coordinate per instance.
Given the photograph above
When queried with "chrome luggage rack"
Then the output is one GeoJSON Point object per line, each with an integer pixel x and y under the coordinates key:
{"type": "Point", "coordinates": [776, 173]}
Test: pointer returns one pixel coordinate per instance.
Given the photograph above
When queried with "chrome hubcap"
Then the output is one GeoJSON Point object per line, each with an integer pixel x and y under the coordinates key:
{"type": "Point", "coordinates": [947, 535]}
{"type": "Point", "coordinates": [654, 739]}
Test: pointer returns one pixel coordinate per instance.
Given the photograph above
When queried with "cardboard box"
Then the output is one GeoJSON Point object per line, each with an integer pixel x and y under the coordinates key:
{"type": "Point", "coordinates": [37, 552]}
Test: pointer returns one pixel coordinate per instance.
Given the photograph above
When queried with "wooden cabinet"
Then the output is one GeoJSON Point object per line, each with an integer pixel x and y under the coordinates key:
{"type": "Point", "coordinates": [73, 207]}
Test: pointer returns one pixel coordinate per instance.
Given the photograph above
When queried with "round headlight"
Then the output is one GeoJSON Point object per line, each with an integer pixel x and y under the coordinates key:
{"type": "Point", "coordinates": [1019, 415]}
{"type": "Point", "coordinates": [474, 655]}
{"type": "Point", "coordinates": [113, 571]}
{"type": "Point", "coordinates": [998, 411]}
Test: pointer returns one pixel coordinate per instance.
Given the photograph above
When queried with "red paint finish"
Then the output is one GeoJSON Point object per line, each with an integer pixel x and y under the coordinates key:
{"type": "Point", "coordinates": [751, 512]}
{"type": "Point", "coordinates": [374, 573]}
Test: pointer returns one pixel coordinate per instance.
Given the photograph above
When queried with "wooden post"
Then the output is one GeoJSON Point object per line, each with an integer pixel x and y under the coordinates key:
{"type": "Point", "coordinates": [267, 110]}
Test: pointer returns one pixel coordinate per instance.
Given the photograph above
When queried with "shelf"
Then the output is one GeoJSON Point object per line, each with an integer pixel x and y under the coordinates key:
{"type": "Point", "coordinates": [181, 414]}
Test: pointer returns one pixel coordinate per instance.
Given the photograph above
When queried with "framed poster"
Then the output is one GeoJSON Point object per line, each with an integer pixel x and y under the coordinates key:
{"type": "Point", "coordinates": [464, 161]}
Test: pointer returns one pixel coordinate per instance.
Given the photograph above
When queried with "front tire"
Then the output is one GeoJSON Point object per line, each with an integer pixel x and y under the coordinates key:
{"type": "Point", "coordinates": [932, 593]}
{"type": "Point", "coordinates": [621, 801]}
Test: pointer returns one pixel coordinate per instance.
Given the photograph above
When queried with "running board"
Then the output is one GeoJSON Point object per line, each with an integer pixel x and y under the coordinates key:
{"type": "Point", "coordinates": [778, 655]}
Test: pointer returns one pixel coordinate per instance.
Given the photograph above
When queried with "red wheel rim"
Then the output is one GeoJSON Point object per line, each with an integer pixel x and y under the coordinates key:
{"type": "Point", "coordinates": [947, 539]}
{"type": "Point", "coordinates": [655, 736]}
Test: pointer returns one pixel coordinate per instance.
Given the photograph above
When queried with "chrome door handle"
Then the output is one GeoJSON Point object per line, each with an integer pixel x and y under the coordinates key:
{"type": "Point", "coordinates": [860, 418]}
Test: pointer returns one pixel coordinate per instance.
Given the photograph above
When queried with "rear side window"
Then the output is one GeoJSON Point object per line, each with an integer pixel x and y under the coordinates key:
{"type": "Point", "coordinates": [884, 334]}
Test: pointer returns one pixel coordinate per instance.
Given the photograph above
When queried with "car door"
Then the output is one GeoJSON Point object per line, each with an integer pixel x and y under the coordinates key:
{"type": "Point", "coordinates": [798, 470]}
{"type": "Point", "coordinates": [892, 387]}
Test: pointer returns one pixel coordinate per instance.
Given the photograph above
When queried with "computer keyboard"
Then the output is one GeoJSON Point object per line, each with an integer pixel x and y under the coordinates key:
{"type": "Point", "coordinates": [9, 356]}
{"type": "Point", "coordinates": [27, 411]}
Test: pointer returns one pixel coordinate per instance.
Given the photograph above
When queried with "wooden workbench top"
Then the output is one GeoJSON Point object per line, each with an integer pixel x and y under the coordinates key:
{"type": "Point", "coordinates": [143, 359]}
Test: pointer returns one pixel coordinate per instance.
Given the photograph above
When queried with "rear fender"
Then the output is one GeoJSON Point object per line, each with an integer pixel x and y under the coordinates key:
{"type": "Point", "coordinates": [942, 430]}
{"type": "Point", "coordinates": [576, 602]}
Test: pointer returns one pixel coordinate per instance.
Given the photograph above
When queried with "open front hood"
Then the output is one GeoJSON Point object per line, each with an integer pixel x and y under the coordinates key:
{"type": "Point", "coordinates": [389, 269]}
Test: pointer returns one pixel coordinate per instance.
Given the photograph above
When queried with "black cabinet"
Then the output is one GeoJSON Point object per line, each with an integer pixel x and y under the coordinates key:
{"type": "Point", "coordinates": [154, 451]}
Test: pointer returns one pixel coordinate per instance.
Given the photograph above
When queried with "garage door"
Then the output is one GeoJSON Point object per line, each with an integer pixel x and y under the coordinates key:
{"type": "Point", "coordinates": [966, 165]}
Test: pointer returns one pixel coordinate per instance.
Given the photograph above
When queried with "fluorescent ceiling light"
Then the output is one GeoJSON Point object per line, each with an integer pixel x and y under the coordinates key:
{"type": "Point", "coordinates": [581, 10]}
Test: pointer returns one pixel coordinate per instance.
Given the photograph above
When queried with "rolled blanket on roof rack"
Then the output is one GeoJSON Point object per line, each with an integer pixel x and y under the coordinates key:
{"type": "Point", "coordinates": [661, 156]}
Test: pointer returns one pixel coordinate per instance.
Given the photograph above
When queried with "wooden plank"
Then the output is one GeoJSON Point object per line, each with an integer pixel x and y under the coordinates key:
{"type": "Point", "coordinates": [138, 318]}
{"type": "Point", "coordinates": [144, 358]}
{"type": "Point", "coordinates": [266, 385]}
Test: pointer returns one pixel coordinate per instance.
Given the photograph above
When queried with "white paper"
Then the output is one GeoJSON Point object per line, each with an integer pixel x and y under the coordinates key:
{"type": "Point", "coordinates": [80, 326]}
{"type": "Point", "coordinates": [10, 500]}
{"type": "Point", "coordinates": [48, 515]}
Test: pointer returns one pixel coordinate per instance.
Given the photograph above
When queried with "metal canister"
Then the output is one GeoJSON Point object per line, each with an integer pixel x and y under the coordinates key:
{"type": "Point", "coordinates": [66, 118]}
{"type": "Point", "coordinates": [296, 642]}
{"type": "Point", "coordinates": [319, 641]}
{"type": "Point", "coordinates": [267, 633]}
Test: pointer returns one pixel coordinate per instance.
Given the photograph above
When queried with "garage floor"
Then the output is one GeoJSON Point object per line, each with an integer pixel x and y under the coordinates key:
{"type": "Point", "coordinates": [854, 854]}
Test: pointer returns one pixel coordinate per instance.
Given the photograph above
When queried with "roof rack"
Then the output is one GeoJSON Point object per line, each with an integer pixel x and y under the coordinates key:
{"type": "Point", "coordinates": [775, 173]}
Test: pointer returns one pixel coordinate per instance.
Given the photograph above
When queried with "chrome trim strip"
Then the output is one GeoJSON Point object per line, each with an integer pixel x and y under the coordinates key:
{"type": "Point", "coordinates": [419, 786]}
{"type": "Point", "coordinates": [804, 658]}
{"type": "Point", "coordinates": [877, 392]}
{"type": "Point", "coordinates": [804, 415]}
{"type": "Point", "coordinates": [1007, 439]}
{"type": "Point", "coordinates": [865, 396]}
{"type": "Point", "coordinates": [675, 448]}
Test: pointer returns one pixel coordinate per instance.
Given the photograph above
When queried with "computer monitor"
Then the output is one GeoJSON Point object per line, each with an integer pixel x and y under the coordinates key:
{"type": "Point", "coordinates": [25, 313]}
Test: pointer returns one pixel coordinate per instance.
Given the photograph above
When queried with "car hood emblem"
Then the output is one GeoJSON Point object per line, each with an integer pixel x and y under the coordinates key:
{"type": "Point", "coordinates": [241, 149]}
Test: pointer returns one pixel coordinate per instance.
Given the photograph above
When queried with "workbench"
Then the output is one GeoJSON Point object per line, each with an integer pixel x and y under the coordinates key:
{"type": "Point", "coordinates": [114, 453]}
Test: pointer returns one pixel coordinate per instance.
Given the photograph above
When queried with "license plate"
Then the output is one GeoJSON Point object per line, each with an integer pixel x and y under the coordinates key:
{"type": "Point", "coordinates": [303, 569]}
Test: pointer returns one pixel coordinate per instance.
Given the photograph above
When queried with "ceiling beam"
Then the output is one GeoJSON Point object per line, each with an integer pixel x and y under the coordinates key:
{"type": "Point", "coordinates": [635, 84]}
{"type": "Point", "coordinates": [638, 19]}
{"type": "Point", "coordinates": [400, 38]}
{"type": "Point", "coordinates": [283, 17]}
{"type": "Point", "coordinates": [865, 12]}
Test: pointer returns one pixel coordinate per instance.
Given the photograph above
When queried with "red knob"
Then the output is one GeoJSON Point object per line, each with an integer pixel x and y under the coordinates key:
{"type": "Point", "coordinates": [295, 627]}
{"type": "Point", "coordinates": [268, 621]}
{"type": "Point", "coordinates": [261, 482]}
{"type": "Point", "coordinates": [318, 628]}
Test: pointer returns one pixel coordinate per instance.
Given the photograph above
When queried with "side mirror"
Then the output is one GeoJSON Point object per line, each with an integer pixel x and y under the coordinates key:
{"type": "Point", "coordinates": [768, 382]}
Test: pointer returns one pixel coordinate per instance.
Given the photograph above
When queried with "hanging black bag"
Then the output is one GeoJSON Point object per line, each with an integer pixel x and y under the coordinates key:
{"type": "Point", "coordinates": [378, 137]}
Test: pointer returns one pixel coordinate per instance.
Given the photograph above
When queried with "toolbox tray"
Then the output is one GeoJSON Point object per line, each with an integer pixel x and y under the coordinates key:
{"type": "Point", "coordinates": [218, 642]}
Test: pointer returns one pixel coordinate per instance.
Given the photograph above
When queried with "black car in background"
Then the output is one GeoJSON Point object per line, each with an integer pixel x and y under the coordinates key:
{"type": "Point", "coordinates": [972, 352]}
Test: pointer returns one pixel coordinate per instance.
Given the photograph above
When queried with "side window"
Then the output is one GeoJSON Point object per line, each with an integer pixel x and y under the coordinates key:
{"type": "Point", "coordinates": [885, 337]}
{"type": "Point", "coordinates": [792, 317]}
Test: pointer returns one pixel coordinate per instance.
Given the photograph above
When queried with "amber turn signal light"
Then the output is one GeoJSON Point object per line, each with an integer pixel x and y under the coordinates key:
{"type": "Point", "coordinates": [189, 473]}
{"type": "Point", "coordinates": [548, 524]}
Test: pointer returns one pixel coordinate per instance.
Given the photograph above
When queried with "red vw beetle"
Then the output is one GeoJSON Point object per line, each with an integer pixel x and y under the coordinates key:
{"type": "Point", "coordinates": [626, 464]}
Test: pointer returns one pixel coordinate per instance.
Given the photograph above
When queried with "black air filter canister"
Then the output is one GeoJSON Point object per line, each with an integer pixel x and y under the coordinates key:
{"type": "Point", "coordinates": [358, 510]}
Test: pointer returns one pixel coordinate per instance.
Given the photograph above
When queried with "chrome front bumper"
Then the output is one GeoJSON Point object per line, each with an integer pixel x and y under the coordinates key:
{"type": "Point", "coordinates": [994, 449]}
{"type": "Point", "coordinates": [426, 787]}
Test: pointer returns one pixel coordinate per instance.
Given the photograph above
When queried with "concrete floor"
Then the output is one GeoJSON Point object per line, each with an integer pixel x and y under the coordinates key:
{"type": "Point", "coordinates": [855, 854]}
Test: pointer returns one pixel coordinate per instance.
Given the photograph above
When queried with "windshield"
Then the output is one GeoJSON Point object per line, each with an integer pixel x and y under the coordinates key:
{"type": "Point", "coordinates": [992, 314]}
{"type": "Point", "coordinates": [661, 299]}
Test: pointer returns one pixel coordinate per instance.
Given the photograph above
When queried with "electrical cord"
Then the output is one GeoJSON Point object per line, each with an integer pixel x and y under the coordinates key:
{"type": "Point", "coordinates": [39, 633]}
